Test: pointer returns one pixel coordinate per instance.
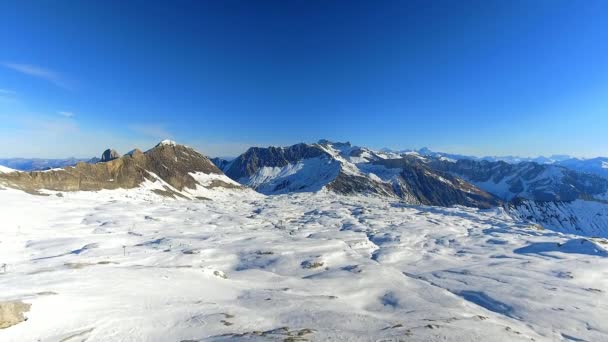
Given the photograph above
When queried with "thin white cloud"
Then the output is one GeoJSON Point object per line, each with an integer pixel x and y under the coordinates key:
{"type": "Point", "coordinates": [54, 126]}
{"type": "Point", "coordinates": [39, 72]}
{"type": "Point", "coordinates": [7, 92]}
{"type": "Point", "coordinates": [7, 95]}
{"type": "Point", "coordinates": [66, 114]}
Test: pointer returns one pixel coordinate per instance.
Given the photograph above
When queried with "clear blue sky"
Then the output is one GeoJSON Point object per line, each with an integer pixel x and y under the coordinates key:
{"type": "Point", "coordinates": [477, 77]}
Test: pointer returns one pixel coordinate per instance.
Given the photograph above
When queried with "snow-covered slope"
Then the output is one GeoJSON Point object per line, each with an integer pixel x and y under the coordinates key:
{"type": "Point", "coordinates": [4, 169]}
{"type": "Point", "coordinates": [314, 266]}
{"type": "Point", "coordinates": [301, 168]}
{"type": "Point", "coordinates": [586, 218]}
{"type": "Point", "coordinates": [305, 175]}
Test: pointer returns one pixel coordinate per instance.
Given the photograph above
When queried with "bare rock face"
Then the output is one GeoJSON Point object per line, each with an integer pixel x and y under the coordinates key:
{"type": "Point", "coordinates": [11, 313]}
{"type": "Point", "coordinates": [108, 155]}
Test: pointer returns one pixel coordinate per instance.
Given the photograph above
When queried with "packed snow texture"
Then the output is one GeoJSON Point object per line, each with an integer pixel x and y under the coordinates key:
{"type": "Point", "coordinates": [167, 142]}
{"type": "Point", "coordinates": [117, 265]}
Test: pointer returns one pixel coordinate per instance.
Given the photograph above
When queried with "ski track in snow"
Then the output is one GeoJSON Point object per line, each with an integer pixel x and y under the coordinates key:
{"type": "Point", "coordinates": [107, 267]}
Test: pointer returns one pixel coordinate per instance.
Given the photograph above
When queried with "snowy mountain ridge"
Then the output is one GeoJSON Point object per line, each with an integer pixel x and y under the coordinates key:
{"type": "Point", "coordinates": [347, 169]}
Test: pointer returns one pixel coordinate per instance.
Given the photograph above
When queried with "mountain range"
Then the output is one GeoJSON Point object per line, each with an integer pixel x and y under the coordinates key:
{"type": "Point", "coordinates": [598, 165]}
{"type": "Point", "coordinates": [554, 195]}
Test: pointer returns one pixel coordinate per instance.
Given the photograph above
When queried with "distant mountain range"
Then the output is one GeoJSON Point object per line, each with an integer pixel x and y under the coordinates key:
{"type": "Point", "coordinates": [346, 169]}
{"type": "Point", "coordinates": [548, 193]}
{"type": "Point", "coordinates": [425, 151]}
{"type": "Point", "coordinates": [598, 165]}
{"type": "Point", "coordinates": [566, 195]}
{"type": "Point", "coordinates": [37, 164]}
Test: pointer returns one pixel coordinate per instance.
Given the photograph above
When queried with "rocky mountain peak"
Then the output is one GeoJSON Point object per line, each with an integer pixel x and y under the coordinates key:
{"type": "Point", "coordinates": [170, 145]}
{"type": "Point", "coordinates": [167, 142]}
{"type": "Point", "coordinates": [109, 154]}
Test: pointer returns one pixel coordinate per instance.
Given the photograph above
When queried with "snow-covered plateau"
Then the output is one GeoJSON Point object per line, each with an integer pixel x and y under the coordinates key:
{"type": "Point", "coordinates": [115, 266]}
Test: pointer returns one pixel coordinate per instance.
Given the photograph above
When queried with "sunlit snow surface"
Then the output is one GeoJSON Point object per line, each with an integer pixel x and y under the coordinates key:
{"type": "Point", "coordinates": [110, 266]}
{"type": "Point", "coordinates": [4, 169]}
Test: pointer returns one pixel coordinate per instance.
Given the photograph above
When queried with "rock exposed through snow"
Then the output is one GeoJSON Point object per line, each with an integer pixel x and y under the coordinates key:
{"type": "Point", "coordinates": [12, 312]}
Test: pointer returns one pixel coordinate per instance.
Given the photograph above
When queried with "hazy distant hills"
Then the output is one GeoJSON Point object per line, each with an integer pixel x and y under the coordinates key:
{"type": "Point", "coordinates": [34, 164]}
{"type": "Point", "coordinates": [597, 165]}
{"type": "Point", "coordinates": [425, 151]}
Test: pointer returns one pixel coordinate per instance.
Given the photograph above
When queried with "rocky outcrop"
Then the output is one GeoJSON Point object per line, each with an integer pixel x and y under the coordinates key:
{"type": "Point", "coordinates": [12, 312]}
{"type": "Point", "coordinates": [348, 184]}
{"type": "Point", "coordinates": [108, 155]}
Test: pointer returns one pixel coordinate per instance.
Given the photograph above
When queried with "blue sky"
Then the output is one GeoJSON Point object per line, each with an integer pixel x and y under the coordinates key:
{"type": "Point", "coordinates": [475, 77]}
